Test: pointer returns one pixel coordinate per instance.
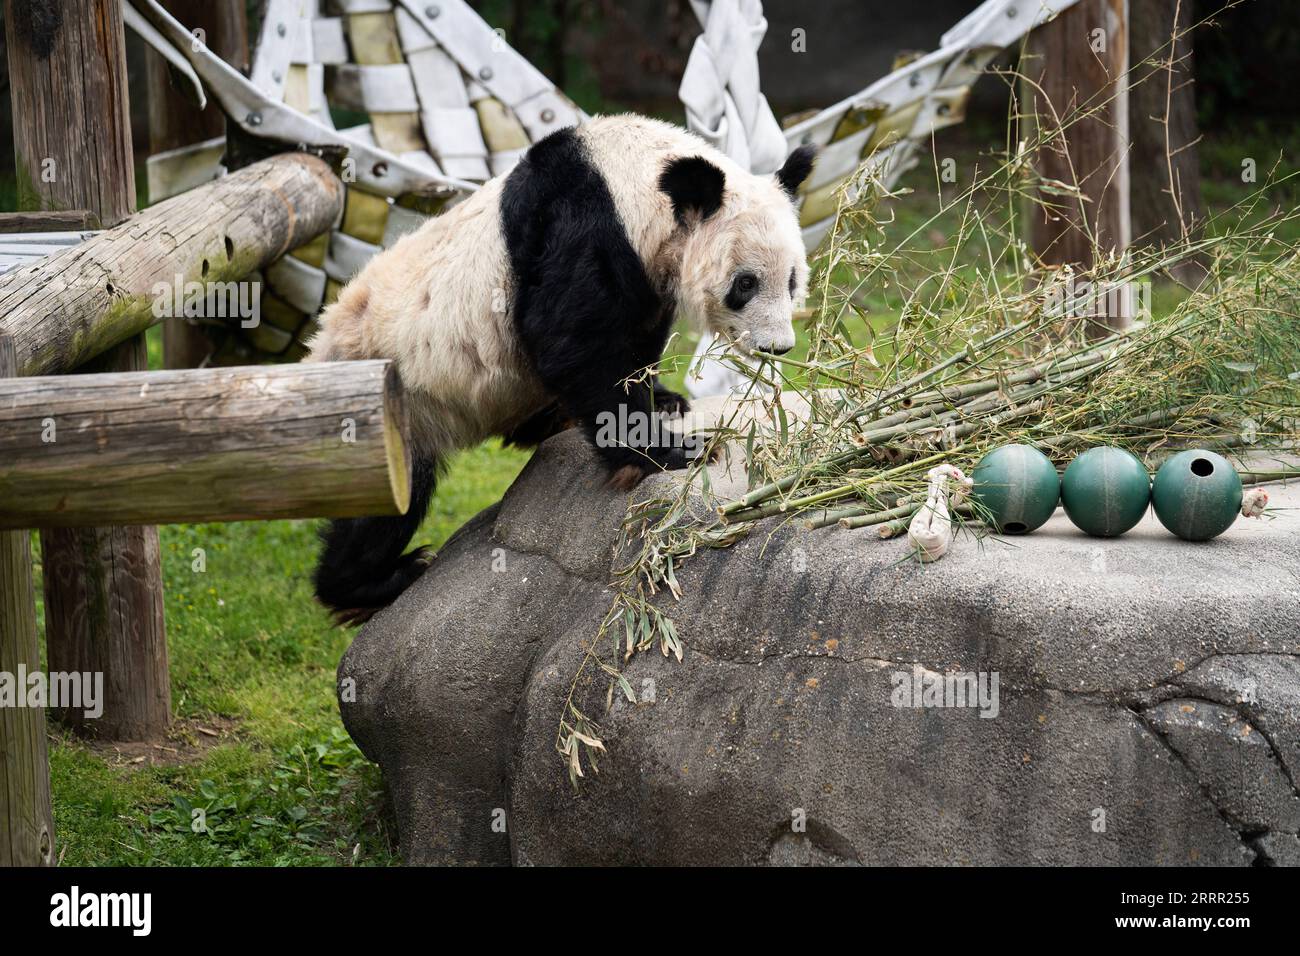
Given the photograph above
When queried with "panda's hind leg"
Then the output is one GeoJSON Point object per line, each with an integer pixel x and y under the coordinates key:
{"type": "Point", "coordinates": [362, 567]}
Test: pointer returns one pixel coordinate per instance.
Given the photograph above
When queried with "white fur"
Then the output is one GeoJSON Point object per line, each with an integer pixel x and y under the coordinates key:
{"type": "Point", "coordinates": [437, 303]}
{"type": "Point", "coordinates": [757, 229]}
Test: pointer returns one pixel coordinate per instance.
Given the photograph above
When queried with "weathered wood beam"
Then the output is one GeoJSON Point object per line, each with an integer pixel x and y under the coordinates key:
{"type": "Point", "coordinates": [26, 827]}
{"type": "Point", "coordinates": [75, 304]}
{"type": "Point", "coordinates": [68, 220]}
{"type": "Point", "coordinates": [1077, 94]}
{"type": "Point", "coordinates": [72, 129]}
{"type": "Point", "coordinates": [72, 143]}
{"type": "Point", "coordinates": [217, 444]}
{"type": "Point", "coordinates": [1167, 206]}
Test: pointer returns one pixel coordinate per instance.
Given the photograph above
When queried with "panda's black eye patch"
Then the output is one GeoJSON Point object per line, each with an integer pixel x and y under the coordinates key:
{"type": "Point", "coordinates": [743, 288]}
{"type": "Point", "coordinates": [792, 283]}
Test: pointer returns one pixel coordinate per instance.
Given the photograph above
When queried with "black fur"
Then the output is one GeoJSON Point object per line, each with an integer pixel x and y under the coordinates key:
{"type": "Point", "coordinates": [667, 401]}
{"type": "Point", "coordinates": [743, 288]}
{"type": "Point", "coordinates": [694, 185]}
{"type": "Point", "coordinates": [538, 427]}
{"type": "Point", "coordinates": [587, 313]}
{"type": "Point", "coordinates": [361, 567]}
{"type": "Point", "coordinates": [796, 169]}
{"type": "Point", "coordinates": [553, 419]}
{"type": "Point", "coordinates": [588, 317]}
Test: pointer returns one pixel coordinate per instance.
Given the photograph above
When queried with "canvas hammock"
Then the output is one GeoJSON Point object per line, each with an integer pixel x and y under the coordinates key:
{"type": "Point", "coordinates": [451, 104]}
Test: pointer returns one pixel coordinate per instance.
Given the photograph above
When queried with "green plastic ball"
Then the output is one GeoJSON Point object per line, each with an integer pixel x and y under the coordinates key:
{"type": "Point", "coordinates": [1197, 494]}
{"type": "Point", "coordinates": [1106, 491]}
{"type": "Point", "coordinates": [1018, 486]}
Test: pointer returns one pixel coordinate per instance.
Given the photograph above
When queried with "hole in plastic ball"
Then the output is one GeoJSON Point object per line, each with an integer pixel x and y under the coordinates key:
{"type": "Point", "coordinates": [1014, 527]}
{"type": "Point", "coordinates": [1202, 467]}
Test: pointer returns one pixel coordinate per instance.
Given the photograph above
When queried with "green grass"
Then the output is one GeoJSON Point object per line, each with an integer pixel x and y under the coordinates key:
{"type": "Point", "coordinates": [253, 656]}
{"type": "Point", "coordinates": [251, 653]}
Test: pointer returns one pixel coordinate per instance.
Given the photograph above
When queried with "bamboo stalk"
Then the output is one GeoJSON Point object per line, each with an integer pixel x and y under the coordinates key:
{"type": "Point", "coordinates": [832, 515]}
{"type": "Point", "coordinates": [1259, 477]}
{"type": "Point", "coordinates": [767, 511]}
{"type": "Point", "coordinates": [957, 357]}
{"type": "Point", "coordinates": [889, 529]}
{"type": "Point", "coordinates": [880, 517]}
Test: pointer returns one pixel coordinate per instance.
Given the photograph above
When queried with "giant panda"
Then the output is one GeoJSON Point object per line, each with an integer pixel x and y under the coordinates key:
{"type": "Point", "coordinates": [542, 294]}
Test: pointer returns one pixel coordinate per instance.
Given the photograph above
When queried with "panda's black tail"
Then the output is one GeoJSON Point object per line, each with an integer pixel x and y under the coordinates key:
{"type": "Point", "coordinates": [362, 567]}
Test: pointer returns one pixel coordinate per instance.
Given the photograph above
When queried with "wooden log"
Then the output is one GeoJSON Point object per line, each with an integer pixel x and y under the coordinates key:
{"type": "Point", "coordinates": [1078, 98]}
{"type": "Point", "coordinates": [104, 604]}
{"type": "Point", "coordinates": [69, 220]}
{"type": "Point", "coordinates": [217, 444]}
{"type": "Point", "coordinates": [175, 122]}
{"type": "Point", "coordinates": [26, 825]}
{"type": "Point", "coordinates": [72, 140]}
{"type": "Point", "coordinates": [75, 304]}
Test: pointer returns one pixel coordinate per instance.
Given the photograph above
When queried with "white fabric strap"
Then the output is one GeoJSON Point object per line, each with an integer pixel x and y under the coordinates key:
{"type": "Point", "coordinates": [282, 26]}
{"type": "Point", "coordinates": [485, 56]}
{"type": "Point", "coordinates": [720, 88]}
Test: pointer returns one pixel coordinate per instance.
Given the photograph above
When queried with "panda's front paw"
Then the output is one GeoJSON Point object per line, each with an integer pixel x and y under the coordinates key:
{"type": "Point", "coordinates": [693, 451]}
{"type": "Point", "coordinates": [669, 402]}
{"type": "Point", "coordinates": [627, 477]}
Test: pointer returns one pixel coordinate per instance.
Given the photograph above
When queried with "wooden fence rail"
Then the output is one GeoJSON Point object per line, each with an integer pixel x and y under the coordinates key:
{"type": "Point", "coordinates": [220, 444]}
{"type": "Point", "coordinates": [71, 306]}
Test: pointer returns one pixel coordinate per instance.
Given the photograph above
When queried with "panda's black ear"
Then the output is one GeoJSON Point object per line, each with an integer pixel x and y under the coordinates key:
{"type": "Point", "coordinates": [694, 185]}
{"type": "Point", "coordinates": [796, 169]}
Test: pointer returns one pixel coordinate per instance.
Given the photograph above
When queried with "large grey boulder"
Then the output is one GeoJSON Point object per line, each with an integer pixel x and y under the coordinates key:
{"type": "Point", "coordinates": [1147, 708]}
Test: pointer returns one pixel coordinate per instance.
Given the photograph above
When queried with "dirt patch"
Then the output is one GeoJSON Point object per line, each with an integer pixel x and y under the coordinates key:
{"type": "Point", "coordinates": [186, 742]}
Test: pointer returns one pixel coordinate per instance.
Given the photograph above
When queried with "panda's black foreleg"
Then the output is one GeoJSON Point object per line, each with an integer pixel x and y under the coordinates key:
{"type": "Point", "coordinates": [628, 430]}
{"type": "Point", "coordinates": [362, 567]}
{"type": "Point", "coordinates": [668, 401]}
{"type": "Point", "coordinates": [538, 427]}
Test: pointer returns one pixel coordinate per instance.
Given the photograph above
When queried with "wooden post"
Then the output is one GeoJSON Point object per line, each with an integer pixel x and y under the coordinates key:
{"type": "Point", "coordinates": [1166, 180]}
{"type": "Point", "coordinates": [26, 826]}
{"type": "Point", "coordinates": [72, 131]}
{"type": "Point", "coordinates": [1078, 62]}
{"type": "Point", "coordinates": [309, 439]}
{"type": "Point", "coordinates": [104, 609]}
{"type": "Point", "coordinates": [175, 122]}
{"type": "Point", "coordinates": [72, 140]}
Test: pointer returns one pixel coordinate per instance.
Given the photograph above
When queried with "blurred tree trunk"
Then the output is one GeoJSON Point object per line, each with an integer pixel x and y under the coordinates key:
{"type": "Point", "coordinates": [1076, 97]}
{"type": "Point", "coordinates": [1165, 183]}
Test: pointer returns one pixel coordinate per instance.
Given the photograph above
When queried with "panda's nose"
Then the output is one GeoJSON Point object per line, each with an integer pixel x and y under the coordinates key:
{"type": "Point", "coordinates": [774, 350]}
